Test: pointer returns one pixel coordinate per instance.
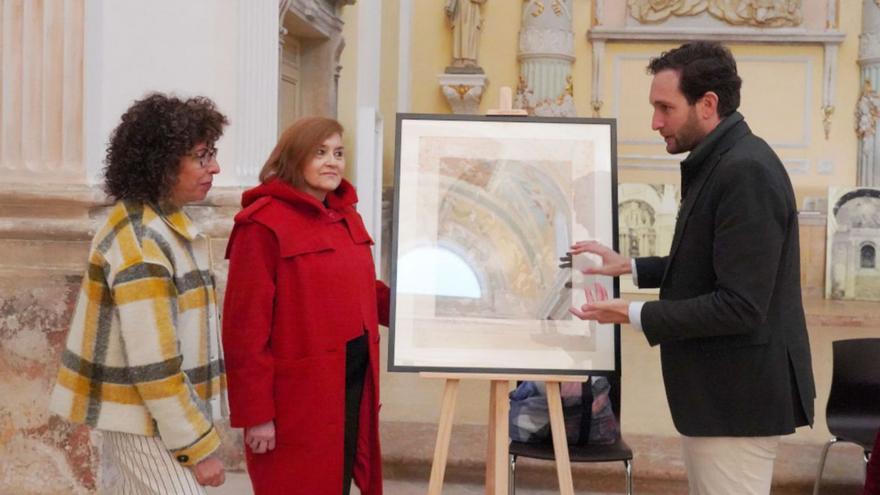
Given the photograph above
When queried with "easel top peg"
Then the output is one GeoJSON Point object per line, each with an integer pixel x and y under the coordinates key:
{"type": "Point", "coordinates": [505, 104]}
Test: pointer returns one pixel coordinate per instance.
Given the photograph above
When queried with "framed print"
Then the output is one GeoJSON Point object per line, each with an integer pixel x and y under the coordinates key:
{"type": "Point", "coordinates": [485, 210]}
{"type": "Point", "coordinates": [646, 222]}
{"type": "Point", "coordinates": [852, 240]}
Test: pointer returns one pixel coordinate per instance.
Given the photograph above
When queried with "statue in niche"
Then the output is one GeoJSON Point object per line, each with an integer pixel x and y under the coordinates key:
{"type": "Point", "coordinates": [757, 13]}
{"type": "Point", "coordinates": [467, 23]}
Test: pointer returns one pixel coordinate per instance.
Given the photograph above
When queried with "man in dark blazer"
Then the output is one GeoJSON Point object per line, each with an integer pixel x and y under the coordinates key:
{"type": "Point", "coordinates": [730, 322]}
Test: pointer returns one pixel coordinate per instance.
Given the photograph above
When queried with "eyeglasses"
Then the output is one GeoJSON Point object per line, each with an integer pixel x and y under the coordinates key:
{"type": "Point", "coordinates": [204, 156]}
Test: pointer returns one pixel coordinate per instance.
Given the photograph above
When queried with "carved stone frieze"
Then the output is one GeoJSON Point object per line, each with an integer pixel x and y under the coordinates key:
{"type": "Point", "coordinates": [558, 42]}
{"type": "Point", "coordinates": [869, 40]}
{"type": "Point", "coordinates": [757, 13]}
{"type": "Point", "coordinates": [869, 46]}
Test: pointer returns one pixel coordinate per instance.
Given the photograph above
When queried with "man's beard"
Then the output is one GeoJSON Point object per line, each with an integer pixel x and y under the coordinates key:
{"type": "Point", "coordinates": [688, 136]}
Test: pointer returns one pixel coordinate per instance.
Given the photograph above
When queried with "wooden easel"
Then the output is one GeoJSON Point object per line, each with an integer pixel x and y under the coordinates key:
{"type": "Point", "coordinates": [497, 453]}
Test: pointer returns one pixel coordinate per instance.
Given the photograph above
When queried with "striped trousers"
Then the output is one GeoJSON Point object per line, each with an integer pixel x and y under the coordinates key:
{"type": "Point", "coordinates": [143, 466]}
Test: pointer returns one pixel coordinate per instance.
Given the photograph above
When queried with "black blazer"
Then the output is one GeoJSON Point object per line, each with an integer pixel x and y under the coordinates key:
{"type": "Point", "coordinates": [730, 321]}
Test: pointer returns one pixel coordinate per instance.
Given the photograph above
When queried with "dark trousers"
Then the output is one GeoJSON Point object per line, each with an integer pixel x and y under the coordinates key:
{"type": "Point", "coordinates": [356, 359]}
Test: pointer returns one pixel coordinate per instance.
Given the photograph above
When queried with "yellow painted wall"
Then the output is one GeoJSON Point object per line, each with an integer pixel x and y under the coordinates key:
{"type": "Point", "coordinates": [782, 96]}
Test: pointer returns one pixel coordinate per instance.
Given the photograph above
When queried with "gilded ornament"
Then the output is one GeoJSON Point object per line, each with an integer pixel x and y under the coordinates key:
{"type": "Point", "coordinates": [827, 112]}
{"type": "Point", "coordinates": [537, 8]}
{"type": "Point", "coordinates": [461, 89]}
{"type": "Point", "coordinates": [867, 111]}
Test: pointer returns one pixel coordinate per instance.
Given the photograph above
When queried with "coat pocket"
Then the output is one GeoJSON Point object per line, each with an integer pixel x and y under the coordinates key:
{"type": "Point", "coordinates": [309, 399]}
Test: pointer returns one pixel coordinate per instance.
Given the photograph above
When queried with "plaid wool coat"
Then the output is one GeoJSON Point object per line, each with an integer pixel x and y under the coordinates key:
{"type": "Point", "coordinates": [143, 354]}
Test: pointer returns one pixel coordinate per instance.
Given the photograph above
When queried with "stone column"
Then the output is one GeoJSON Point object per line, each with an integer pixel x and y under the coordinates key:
{"type": "Point", "coordinates": [546, 54]}
{"type": "Point", "coordinates": [868, 107]}
{"type": "Point", "coordinates": [41, 105]}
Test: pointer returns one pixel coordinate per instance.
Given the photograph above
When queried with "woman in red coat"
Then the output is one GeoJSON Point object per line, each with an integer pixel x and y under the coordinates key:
{"type": "Point", "coordinates": [300, 323]}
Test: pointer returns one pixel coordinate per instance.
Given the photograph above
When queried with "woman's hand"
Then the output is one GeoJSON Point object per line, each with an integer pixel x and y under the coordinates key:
{"type": "Point", "coordinates": [209, 471]}
{"type": "Point", "coordinates": [260, 438]}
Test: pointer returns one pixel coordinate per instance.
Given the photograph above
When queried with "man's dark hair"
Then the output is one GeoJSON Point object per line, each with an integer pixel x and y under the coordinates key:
{"type": "Point", "coordinates": [703, 66]}
{"type": "Point", "coordinates": [143, 158]}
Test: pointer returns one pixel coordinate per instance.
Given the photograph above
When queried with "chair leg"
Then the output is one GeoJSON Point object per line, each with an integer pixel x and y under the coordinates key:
{"type": "Point", "coordinates": [627, 464]}
{"type": "Point", "coordinates": [511, 476]}
{"type": "Point", "coordinates": [822, 464]}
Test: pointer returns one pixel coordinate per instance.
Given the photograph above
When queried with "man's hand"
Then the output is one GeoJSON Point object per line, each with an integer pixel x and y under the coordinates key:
{"type": "Point", "coordinates": [209, 471]}
{"type": "Point", "coordinates": [600, 309]}
{"type": "Point", "coordinates": [613, 264]}
{"type": "Point", "coordinates": [612, 311]}
{"type": "Point", "coordinates": [260, 438]}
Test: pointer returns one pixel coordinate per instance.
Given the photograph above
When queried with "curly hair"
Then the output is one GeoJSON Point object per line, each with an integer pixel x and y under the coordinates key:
{"type": "Point", "coordinates": [143, 158]}
{"type": "Point", "coordinates": [703, 66]}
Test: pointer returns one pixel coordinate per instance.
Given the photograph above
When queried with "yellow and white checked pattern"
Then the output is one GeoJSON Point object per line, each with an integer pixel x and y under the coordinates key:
{"type": "Point", "coordinates": [143, 354]}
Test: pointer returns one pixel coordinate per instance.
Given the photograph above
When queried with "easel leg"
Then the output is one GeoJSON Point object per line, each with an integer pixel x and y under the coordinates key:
{"type": "Point", "coordinates": [560, 444]}
{"type": "Point", "coordinates": [444, 432]}
{"type": "Point", "coordinates": [498, 449]}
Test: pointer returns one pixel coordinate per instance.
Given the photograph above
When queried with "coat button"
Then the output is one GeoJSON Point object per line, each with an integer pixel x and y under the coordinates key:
{"type": "Point", "coordinates": [183, 458]}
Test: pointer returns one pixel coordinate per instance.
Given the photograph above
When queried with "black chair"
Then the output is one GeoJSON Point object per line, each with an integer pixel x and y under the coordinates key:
{"type": "Point", "coordinates": [617, 452]}
{"type": "Point", "coordinates": [853, 410]}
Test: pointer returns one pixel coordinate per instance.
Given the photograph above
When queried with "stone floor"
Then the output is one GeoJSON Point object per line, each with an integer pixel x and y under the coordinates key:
{"type": "Point", "coordinates": [238, 484]}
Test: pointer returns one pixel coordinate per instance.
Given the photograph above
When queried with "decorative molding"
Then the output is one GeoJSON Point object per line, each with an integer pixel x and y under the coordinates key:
{"type": "Point", "coordinates": [727, 35]}
{"type": "Point", "coordinates": [319, 15]}
{"type": "Point", "coordinates": [598, 63]}
{"type": "Point", "coordinates": [463, 91]}
{"type": "Point", "coordinates": [671, 163]}
{"type": "Point", "coordinates": [666, 163]}
{"type": "Point", "coordinates": [68, 212]}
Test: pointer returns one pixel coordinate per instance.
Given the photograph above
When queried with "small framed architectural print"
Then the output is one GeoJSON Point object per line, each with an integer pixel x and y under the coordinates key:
{"type": "Point", "coordinates": [851, 267]}
{"type": "Point", "coordinates": [646, 215]}
{"type": "Point", "coordinates": [485, 209]}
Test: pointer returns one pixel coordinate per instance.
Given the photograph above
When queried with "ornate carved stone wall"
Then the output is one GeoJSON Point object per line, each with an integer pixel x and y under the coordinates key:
{"type": "Point", "coordinates": [546, 55]}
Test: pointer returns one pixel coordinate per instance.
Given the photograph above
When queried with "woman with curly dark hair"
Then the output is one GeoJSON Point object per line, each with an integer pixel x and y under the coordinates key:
{"type": "Point", "coordinates": [143, 362]}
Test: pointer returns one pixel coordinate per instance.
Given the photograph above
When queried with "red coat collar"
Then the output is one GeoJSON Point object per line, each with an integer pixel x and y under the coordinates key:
{"type": "Point", "coordinates": [340, 200]}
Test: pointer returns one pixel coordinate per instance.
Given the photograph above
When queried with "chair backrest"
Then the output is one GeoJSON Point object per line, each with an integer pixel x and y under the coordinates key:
{"type": "Point", "coordinates": [614, 393]}
{"type": "Point", "coordinates": [854, 400]}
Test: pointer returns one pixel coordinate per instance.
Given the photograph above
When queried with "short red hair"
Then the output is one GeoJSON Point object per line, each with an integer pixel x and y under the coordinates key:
{"type": "Point", "coordinates": [295, 146]}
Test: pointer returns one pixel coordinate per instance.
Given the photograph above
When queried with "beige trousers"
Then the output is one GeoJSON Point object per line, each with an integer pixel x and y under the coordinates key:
{"type": "Point", "coordinates": [729, 465]}
{"type": "Point", "coordinates": [145, 467]}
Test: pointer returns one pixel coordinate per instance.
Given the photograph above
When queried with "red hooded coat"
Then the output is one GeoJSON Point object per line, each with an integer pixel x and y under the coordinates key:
{"type": "Point", "coordinates": [301, 284]}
